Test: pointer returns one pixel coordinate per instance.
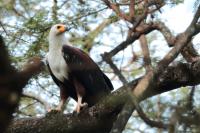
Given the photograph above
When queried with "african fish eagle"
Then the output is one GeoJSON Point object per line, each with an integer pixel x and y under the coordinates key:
{"type": "Point", "coordinates": [75, 73]}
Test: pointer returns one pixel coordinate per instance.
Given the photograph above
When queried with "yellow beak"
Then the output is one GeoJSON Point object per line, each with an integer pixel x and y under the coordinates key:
{"type": "Point", "coordinates": [62, 29]}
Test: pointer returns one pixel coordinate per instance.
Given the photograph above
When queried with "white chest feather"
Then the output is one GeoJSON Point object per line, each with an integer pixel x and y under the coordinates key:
{"type": "Point", "coordinates": [58, 65]}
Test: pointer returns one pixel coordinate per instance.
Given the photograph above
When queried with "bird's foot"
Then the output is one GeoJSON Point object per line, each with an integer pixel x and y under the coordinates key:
{"type": "Point", "coordinates": [85, 106]}
{"type": "Point", "coordinates": [55, 110]}
{"type": "Point", "coordinates": [51, 112]}
{"type": "Point", "coordinates": [81, 106]}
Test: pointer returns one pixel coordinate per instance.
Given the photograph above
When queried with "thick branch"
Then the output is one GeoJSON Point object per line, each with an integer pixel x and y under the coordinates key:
{"type": "Point", "coordinates": [169, 37]}
{"type": "Point", "coordinates": [12, 82]}
{"type": "Point", "coordinates": [188, 52]}
{"type": "Point", "coordinates": [100, 117]}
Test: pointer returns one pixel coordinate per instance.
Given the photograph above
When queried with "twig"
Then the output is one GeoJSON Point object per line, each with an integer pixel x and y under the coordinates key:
{"type": "Point", "coordinates": [88, 14]}
{"type": "Point", "coordinates": [17, 13]}
{"type": "Point", "coordinates": [45, 89]}
{"type": "Point", "coordinates": [132, 9]}
{"type": "Point", "coordinates": [23, 113]}
{"type": "Point", "coordinates": [4, 28]}
{"type": "Point", "coordinates": [29, 105]}
{"type": "Point", "coordinates": [190, 98]}
{"type": "Point", "coordinates": [114, 67]}
{"type": "Point", "coordinates": [152, 123]}
{"type": "Point", "coordinates": [64, 2]}
{"type": "Point", "coordinates": [116, 9]}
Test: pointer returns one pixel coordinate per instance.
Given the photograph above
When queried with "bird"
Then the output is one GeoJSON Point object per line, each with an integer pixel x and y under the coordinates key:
{"type": "Point", "coordinates": [74, 72]}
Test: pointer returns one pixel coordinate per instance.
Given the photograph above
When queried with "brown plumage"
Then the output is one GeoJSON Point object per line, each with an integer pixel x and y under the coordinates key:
{"type": "Point", "coordinates": [77, 75]}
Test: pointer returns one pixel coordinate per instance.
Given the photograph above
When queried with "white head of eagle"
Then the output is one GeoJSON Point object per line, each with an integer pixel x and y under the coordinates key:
{"type": "Point", "coordinates": [77, 75]}
{"type": "Point", "coordinates": [57, 36]}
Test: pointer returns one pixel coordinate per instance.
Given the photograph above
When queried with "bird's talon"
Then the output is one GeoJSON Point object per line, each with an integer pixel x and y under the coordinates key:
{"type": "Point", "coordinates": [54, 110]}
{"type": "Point", "coordinates": [81, 106]}
{"type": "Point", "coordinates": [74, 113]}
{"type": "Point", "coordinates": [84, 104]}
{"type": "Point", "coordinates": [84, 108]}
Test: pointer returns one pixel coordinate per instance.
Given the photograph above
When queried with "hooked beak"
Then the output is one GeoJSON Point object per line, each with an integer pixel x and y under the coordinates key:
{"type": "Point", "coordinates": [63, 29]}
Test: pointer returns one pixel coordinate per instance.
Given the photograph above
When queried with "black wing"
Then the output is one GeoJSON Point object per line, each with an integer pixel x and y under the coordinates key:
{"type": "Point", "coordinates": [108, 82]}
{"type": "Point", "coordinates": [87, 72]}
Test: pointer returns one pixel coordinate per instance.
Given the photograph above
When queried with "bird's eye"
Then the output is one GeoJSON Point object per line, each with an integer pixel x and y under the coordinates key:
{"type": "Point", "coordinates": [58, 27]}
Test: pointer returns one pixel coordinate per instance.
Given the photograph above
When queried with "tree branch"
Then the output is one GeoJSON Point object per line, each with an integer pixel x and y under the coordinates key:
{"type": "Point", "coordinates": [144, 30]}
{"type": "Point", "coordinates": [150, 122]}
{"type": "Point", "coordinates": [114, 68]}
{"type": "Point", "coordinates": [37, 98]}
{"type": "Point", "coordinates": [169, 37]}
{"type": "Point", "coordinates": [196, 16]}
{"type": "Point", "coordinates": [151, 77]}
{"type": "Point", "coordinates": [132, 9]}
{"type": "Point", "coordinates": [123, 117]}
{"type": "Point", "coordinates": [188, 52]}
{"type": "Point", "coordinates": [116, 9]}
{"type": "Point", "coordinates": [100, 117]}
{"type": "Point", "coordinates": [145, 51]}
{"type": "Point", "coordinates": [12, 82]}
